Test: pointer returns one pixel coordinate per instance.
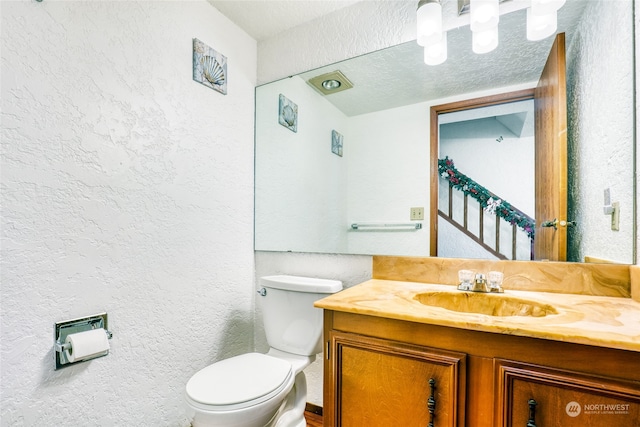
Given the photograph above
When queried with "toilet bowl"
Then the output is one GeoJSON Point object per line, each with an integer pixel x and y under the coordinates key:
{"type": "Point", "coordinates": [266, 390]}
{"type": "Point", "coordinates": [245, 390]}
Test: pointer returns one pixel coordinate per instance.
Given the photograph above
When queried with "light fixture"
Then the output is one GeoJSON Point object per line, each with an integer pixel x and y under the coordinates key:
{"type": "Point", "coordinates": [332, 82]}
{"type": "Point", "coordinates": [485, 14]}
{"type": "Point", "coordinates": [429, 32]}
{"type": "Point", "coordinates": [429, 20]}
{"type": "Point", "coordinates": [545, 7]}
{"type": "Point", "coordinates": [484, 41]}
{"type": "Point", "coordinates": [542, 18]}
{"type": "Point", "coordinates": [436, 53]}
{"type": "Point", "coordinates": [541, 26]}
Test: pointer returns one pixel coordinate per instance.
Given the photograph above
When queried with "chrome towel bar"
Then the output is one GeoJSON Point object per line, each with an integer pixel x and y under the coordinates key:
{"type": "Point", "coordinates": [373, 226]}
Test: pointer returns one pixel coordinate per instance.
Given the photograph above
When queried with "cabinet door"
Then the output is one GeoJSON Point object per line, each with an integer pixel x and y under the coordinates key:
{"type": "Point", "coordinates": [384, 383]}
{"type": "Point", "coordinates": [534, 396]}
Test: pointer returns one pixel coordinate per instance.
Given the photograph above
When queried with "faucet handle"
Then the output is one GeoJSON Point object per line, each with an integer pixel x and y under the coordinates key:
{"type": "Point", "coordinates": [466, 280]}
{"type": "Point", "coordinates": [495, 281]}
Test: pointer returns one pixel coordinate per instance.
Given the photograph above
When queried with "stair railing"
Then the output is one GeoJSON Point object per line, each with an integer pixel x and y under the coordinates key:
{"type": "Point", "coordinates": [490, 203]}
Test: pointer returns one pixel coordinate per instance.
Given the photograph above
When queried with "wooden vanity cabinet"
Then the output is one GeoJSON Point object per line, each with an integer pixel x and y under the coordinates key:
{"type": "Point", "coordinates": [535, 396]}
{"type": "Point", "coordinates": [384, 383]}
{"type": "Point", "coordinates": [377, 373]}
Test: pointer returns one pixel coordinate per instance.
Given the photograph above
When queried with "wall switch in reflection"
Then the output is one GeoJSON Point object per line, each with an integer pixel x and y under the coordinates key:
{"type": "Point", "coordinates": [416, 214]}
{"type": "Point", "coordinates": [608, 208]}
{"type": "Point", "coordinates": [615, 216]}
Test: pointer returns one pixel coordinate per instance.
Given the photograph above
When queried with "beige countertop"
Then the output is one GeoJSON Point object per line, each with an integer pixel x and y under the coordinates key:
{"type": "Point", "coordinates": [583, 319]}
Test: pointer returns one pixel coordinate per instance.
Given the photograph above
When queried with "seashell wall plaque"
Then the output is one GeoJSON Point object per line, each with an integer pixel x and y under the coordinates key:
{"type": "Point", "coordinates": [209, 67]}
{"type": "Point", "coordinates": [288, 113]}
{"type": "Point", "coordinates": [336, 143]}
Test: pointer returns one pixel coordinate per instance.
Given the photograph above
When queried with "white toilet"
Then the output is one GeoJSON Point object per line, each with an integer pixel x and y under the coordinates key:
{"type": "Point", "coordinates": [266, 390]}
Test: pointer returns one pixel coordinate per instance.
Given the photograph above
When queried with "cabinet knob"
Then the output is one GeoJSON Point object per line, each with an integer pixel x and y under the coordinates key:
{"type": "Point", "coordinates": [431, 402]}
{"type": "Point", "coordinates": [532, 413]}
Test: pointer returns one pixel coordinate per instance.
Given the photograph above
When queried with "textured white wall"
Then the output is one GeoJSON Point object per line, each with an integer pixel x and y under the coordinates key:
{"type": "Point", "coordinates": [600, 150]}
{"type": "Point", "coordinates": [636, 37]}
{"type": "Point", "coordinates": [126, 188]}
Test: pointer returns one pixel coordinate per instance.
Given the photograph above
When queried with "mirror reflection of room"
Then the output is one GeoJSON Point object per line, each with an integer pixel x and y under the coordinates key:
{"type": "Point", "coordinates": [307, 198]}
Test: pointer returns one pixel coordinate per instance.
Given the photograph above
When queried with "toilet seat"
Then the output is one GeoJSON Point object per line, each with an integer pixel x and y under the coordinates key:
{"type": "Point", "coordinates": [239, 382]}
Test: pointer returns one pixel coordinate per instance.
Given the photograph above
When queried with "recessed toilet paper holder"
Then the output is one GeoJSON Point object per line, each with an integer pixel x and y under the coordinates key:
{"type": "Point", "coordinates": [74, 326]}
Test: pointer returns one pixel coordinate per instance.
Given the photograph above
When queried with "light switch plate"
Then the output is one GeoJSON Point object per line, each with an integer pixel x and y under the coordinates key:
{"type": "Point", "coordinates": [416, 214]}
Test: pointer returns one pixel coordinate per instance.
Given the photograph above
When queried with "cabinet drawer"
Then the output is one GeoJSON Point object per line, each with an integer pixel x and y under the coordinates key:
{"type": "Point", "coordinates": [532, 395]}
{"type": "Point", "coordinates": [385, 383]}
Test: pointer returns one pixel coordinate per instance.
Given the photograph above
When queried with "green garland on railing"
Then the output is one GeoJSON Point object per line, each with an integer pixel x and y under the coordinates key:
{"type": "Point", "coordinates": [487, 200]}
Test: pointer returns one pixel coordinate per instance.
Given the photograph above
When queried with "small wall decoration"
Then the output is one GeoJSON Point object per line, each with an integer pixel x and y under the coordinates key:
{"type": "Point", "coordinates": [209, 67]}
{"type": "Point", "coordinates": [336, 143]}
{"type": "Point", "coordinates": [288, 114]}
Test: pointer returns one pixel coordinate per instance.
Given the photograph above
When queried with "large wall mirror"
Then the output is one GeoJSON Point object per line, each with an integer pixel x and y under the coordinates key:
{"type": "Point", "coordinates": [349, 172]}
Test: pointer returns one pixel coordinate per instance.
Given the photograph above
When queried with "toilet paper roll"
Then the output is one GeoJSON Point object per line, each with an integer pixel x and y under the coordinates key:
{"type": "Point", "coordinates": [86, 344]}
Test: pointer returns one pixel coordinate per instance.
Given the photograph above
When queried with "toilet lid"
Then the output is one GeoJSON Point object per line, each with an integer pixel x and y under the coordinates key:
{"type": "Point", "coordinates": [239, 379]}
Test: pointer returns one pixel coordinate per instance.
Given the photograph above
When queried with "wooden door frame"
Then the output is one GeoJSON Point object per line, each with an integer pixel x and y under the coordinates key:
{"type": "Point", "coordinates": [436, 110]}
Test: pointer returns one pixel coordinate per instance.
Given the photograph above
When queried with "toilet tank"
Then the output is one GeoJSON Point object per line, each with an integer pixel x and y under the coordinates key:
{"type": "Point", "coordinates": [291, 322]}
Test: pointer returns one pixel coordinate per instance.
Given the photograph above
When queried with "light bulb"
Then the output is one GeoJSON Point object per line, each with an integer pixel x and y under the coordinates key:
{"type": "Point", "coordinates": [429, 18]}
{"type": "Point", "coordinates": [541, 26]}
{"type": "Point", "coordinates": [436, 53]}
{"type": "Point", "coordinates": [484, 41]}
{"type": "Point", "coordinates": [331, 84]}
{"type": "Point", "coordinates": [545, 7]}
{"type": "Point", "coordinates": [484, 15]}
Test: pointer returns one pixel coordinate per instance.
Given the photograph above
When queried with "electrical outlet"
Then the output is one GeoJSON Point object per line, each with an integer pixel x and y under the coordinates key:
{"type": "Point", "coordinates": [416, 214]}
{"type": "Point", "coordinates": [615, 216]}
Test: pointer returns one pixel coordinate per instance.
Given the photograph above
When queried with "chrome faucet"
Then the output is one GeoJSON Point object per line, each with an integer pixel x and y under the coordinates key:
{"type": "Point", "coordinates": [480, 283]}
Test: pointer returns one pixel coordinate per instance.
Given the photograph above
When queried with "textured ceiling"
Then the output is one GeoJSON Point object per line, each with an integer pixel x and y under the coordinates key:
{"type": "Point", "coordinates": [397, 76]}
{"type": "Point", "coordinates": [262, 19]}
